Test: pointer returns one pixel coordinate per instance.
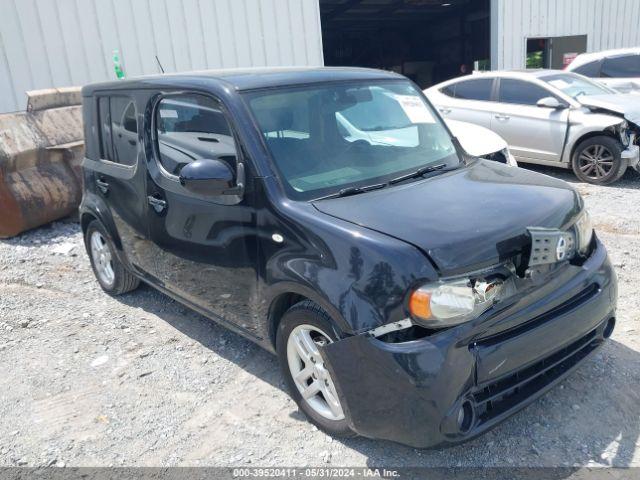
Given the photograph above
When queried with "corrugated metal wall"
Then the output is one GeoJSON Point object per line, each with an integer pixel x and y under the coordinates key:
{"type": "Point", "coordinates": [607, 24]}
{"type": "Point", "coordinates": [55, 43]}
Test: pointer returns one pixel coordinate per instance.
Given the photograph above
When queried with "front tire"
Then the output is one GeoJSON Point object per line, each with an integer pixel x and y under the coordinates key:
{"type": "Point", "coordinates": [111, 274]}
{"type": "Point", "coordinates": [303, 330]}
{"type": "Point", "coordinates": [598, 160]}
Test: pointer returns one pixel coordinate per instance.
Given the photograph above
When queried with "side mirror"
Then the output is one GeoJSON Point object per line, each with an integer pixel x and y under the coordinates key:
{"type": "Point", "coordinates": [209, 178]}
{"type": "Point", "coordinates": [551, 102]}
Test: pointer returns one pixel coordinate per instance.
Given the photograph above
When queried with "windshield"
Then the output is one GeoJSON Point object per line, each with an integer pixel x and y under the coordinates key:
{"type": "Point", "coordinates": [327, 138]}
{"type": "Point", "coordinates": [576, 86]}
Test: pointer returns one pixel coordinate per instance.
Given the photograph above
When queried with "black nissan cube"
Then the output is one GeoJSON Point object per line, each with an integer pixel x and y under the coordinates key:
{"type": "Point", "coordinates": [411, 292]}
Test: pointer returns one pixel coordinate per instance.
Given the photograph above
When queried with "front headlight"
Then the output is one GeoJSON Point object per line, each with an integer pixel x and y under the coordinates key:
{"type": "Point", "coordinates": [445, 304]}
{"type": "Point", "coordinates": [584, 232]}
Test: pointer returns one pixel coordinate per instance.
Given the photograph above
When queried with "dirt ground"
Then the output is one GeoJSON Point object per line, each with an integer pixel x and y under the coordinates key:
{"type": "Point", "coordinates": [90, 380]}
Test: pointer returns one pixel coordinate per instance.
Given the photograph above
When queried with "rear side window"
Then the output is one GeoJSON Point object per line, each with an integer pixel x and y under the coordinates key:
{"type": "Point", "coordinates": [479, 89]}
{"type": "Point", "coordinates": [591, 69]}
{"type": "Point", "coordinates": [621, 67]}
{"type": "Point", "coordinates": [118, 130]}
{"type": "Point", "coordinates": [521, 92]}
{"type": "Point", "coordinates": [192, 127]}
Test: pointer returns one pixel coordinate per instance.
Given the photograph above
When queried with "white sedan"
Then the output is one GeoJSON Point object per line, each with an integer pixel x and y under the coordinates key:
{"type": "Point", "coordinates": [618, 69]}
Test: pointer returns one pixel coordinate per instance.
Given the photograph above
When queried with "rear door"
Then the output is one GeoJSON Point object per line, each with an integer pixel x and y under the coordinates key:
{"type": "Point", "coordinates": [118, 176]}
{"type": "Point", "coordinates": [533, 133]}
{"type": "Point", "coordinates": [204, 249]}
{"type": "Point", "coordinates": [468, 101]}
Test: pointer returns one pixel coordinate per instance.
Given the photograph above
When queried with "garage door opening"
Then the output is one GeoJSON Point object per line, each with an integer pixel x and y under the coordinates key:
{"type": "Point", "coordinates": [427, 40]}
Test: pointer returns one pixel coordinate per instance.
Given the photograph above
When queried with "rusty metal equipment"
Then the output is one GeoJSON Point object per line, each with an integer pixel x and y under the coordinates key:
{"type": "Point", "coordinates": [40, 155]}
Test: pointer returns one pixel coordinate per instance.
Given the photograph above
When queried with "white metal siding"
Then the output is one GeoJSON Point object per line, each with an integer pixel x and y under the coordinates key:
{"type": "Point", "coordinates": [56, 43]}
{"type": "Point", "coordinates": [607, 24]}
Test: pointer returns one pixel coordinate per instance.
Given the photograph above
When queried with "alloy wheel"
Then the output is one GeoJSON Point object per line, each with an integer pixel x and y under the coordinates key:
{"type": "Point", "coordinates": [309, 373]}
{"type": "Point", "coordinates": [596, 162]}
{"type": "Point", "coordinates": [102, 260]}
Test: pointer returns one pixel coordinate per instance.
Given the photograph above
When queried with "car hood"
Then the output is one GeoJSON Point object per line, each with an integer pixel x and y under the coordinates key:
{"type": "Point", "coordinates": [626, 104]}
{"type": "Point", "coordinates": [476, 140]}
{"type": "Point", "coordinates": [466, 219]}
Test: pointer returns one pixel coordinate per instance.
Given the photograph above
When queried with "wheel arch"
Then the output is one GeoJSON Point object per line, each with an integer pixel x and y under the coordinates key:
{"type": "Point", "coordinates": [94, 208]}
{"type": "Point", "coordinates": [587, 136]}
{"type": "Point", "coordinates": [291, 294]}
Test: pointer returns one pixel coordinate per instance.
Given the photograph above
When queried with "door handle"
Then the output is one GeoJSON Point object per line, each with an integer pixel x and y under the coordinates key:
{"type": "Point", "coordinates": [158, 204]}
{"type": "Point", "coordinates": [502, 117]}
{"type": "Point", "coordinates": [445, 111]}
{"type": "Point", "coordinates": [102, 185]}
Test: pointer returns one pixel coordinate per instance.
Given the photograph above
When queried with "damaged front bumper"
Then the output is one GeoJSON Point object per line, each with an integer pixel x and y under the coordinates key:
{"type": "Point", "coordinates": [632, 155]}
{"type": "Point", "coordinates": [451, 386]}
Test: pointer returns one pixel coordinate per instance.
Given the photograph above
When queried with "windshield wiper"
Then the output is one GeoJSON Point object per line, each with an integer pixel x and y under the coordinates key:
{"type": "Point", "coordinates": [418, 173]}
{"type": "Point", "coordinates": [346, 192]}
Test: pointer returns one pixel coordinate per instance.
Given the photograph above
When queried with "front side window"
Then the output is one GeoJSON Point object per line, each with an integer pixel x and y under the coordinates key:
{"type": "Point", "coordinates": [520, 92]}
{"type": "Point", "coordinates": [626, 66]}
{"type": "Point", "coordinates": [479, 89]}
{"type": "Point", "coordinates": [118, 129]}
{"type": "Point", "coordinates": [327, 138]}
{"type": "Point", "coordinates": [575, 86]}
{"type": "Point", "coordinates": [192, 127]}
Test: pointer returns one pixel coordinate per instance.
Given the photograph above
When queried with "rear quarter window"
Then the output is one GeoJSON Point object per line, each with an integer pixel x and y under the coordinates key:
{"type": "Point", "coordinates": [449, 90]}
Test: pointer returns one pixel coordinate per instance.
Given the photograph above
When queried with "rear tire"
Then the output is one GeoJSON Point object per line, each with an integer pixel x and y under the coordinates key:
{"type": "Point", "coordinates": [598, 160]}
{"type": "Point", "coordinates": [111, 274]}
{"type": "Point", "coordinates": [307, 324]}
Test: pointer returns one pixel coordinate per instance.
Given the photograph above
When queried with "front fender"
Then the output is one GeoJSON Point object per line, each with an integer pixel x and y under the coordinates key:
{"type": "Point", "coordinates": [359, 276]}
{"type": "Point", "coordinates": [583, 123]}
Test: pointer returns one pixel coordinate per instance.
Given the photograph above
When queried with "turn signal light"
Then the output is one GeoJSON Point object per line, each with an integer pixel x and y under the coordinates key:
{"type": "Point", "coordinates": [420, 304]}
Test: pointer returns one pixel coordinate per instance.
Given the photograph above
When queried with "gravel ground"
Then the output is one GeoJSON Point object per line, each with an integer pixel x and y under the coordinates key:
{"type": "Point", "coordinates": [89, 380]}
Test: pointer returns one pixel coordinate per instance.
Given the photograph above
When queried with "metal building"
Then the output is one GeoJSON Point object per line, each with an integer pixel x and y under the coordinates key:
{"type": "Point", "coordinates": [54, 43]}
{"type": "Point", "coordinates": [569, 26]}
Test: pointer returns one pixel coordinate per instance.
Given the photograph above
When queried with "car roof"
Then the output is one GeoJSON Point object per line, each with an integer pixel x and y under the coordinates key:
{"type": "Point", "coordinates": [593, 56]}
{"type": "Point", "coordinates": [246, 78]}
{"type": "Point", "coordinates": [521, 74]}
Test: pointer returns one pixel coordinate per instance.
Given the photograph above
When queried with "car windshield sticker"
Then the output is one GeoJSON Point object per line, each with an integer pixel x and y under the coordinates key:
{"type": "Point", "coordinates": [415, 109]}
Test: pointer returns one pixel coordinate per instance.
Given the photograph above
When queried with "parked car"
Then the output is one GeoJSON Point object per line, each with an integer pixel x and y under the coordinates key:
{"type": "Point", "coordinates": [475, 140]}
{"type": "Point", "coordinates": [618, 69]}
{"type": "Point", "coordinates": [550, 118]}
{"type": "Point", "coordinates": [411, 293]}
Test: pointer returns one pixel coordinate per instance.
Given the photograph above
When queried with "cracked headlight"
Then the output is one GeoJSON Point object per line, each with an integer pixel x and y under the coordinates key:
{"type": "Point", "coordinates": [445, 304]}
{"type": "Point", "coordinates": [584, 232]}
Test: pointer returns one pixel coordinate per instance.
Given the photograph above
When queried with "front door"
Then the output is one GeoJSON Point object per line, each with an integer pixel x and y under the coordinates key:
{"type": "Point", "coordinates": [204, 248]}
{"type": "Point", "coordinates": [532, 132]}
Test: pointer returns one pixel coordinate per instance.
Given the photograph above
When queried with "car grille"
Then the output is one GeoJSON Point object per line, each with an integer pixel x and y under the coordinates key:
{"type": "Point", "coordinates": [500, 396]}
